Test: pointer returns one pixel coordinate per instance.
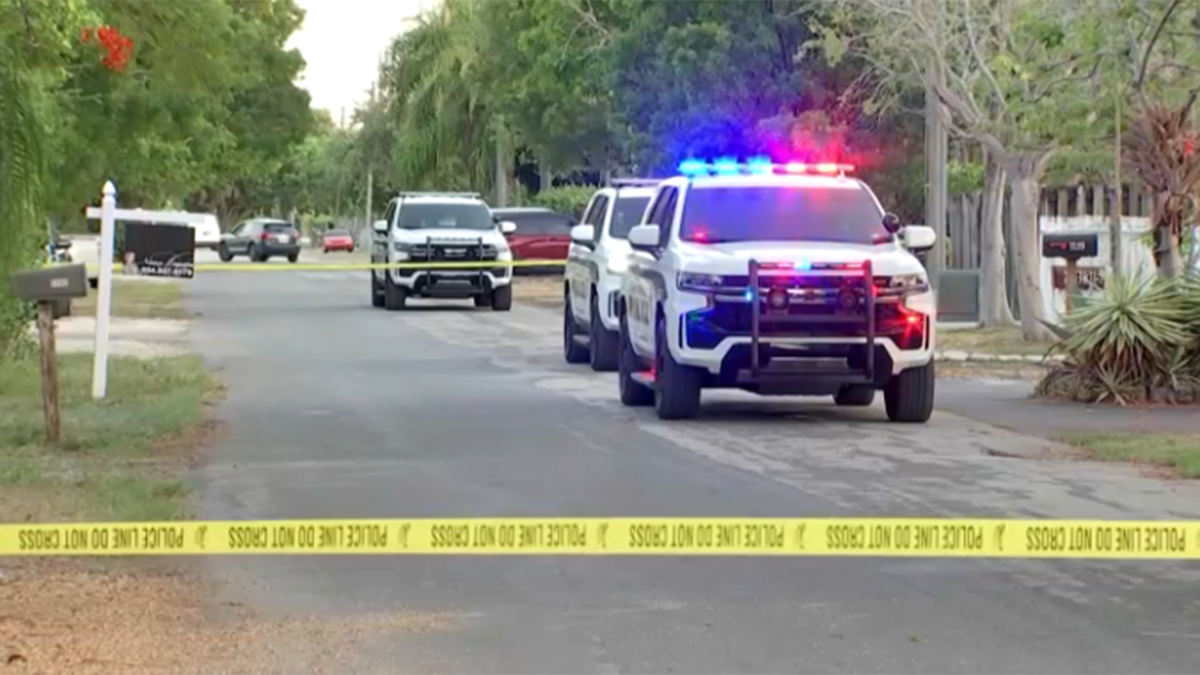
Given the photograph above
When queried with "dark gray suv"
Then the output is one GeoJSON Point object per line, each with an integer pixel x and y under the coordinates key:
{"type": "Point", "coordinates": [260, 240]}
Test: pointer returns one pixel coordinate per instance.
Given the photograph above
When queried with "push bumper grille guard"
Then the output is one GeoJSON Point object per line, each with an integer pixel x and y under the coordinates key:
{"type": "Point", "coordinates": [854, 317]}
{"type": "Point", "coordinates": [436, 252]}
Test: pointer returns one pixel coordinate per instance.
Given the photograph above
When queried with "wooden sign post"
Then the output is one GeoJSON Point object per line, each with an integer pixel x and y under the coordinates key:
{"type": "Point", "coordinates": [49, 351]}
{"type": "Point", "coordinates": [45, 287]}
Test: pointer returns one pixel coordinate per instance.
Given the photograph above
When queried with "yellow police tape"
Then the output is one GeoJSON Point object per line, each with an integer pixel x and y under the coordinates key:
{"type": "Point", "coordinates": [898, 537]}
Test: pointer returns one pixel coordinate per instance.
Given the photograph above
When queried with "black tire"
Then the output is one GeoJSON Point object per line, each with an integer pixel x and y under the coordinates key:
{"type": "Point", "coordinates": [394, 297]}
{"type": "Point", "coordinates": [502, 298]}
{"type": "Point", "coordinates": [325, 251]}
{"type": "Point", "coordinates": [908, 397]}
{"type": "Point", "coordinates": [603, 345]}
{"type": "Point", "coordinates": [855, 396]}
{"type": "Point", "coordinates": [677, 387]}
{"type": "Point", "coordinates": [293, 257]}
{"type": "Point", "coordinates": [483, 300]}
{"type": "Point", "coordinates": [633, 393]}
{"type": "Point", "coordinates": [94, 283]}
{"type": "Point", "coordinates": [376, 292]}
{"type": "Point", "coordinates": [573, 352]}
{"type": "Point", "coordinates": [252, 252]}
{"type": "Point", "coordinates": [224, 254]}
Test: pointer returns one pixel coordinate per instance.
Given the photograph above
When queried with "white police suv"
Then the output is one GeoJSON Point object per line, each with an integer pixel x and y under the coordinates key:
{"type": "Point", "coordinates": [779, 279]}
{"type": "Point", "coordinates": [431, 233]}
{"type": "Point", "coordinates": [597, 258]}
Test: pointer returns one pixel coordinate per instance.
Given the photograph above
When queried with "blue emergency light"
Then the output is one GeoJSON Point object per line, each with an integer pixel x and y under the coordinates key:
{"type": "Point", "coordinates": [727, 166]}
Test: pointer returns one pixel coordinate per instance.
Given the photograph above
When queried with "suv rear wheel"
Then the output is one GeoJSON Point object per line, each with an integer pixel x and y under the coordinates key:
{"type": "Point", "coordinates": [573, 352]}
{"type": "Point", "coordinates": [633, 393]}
{"type": "Point", "coordinates": [676, 386]}
{"type": "Point", "coordinates": [908, 397]}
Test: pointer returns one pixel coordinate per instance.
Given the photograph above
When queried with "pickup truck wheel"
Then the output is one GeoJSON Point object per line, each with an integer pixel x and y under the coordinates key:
{"type": "Point", "coordinates": [855, 395]}
{"type": "Point", "coordinates": [573, 352]}
{"type": "Point", "coordinates": [633, 393]}
{"type": "Point", "coordinates": [502, 298]}
{"type": "Point", "coordinates": [908, 397]}
{"type": "Point", "coordinates": [602, 343]}
{"type": "Point", "coordinates": [394, 297]}
{"type": "Point", "coordinates": [224, 254]}
{"type": "Point", "coordinates": [677, 387]}
{"type": "Point", "coordinates": [293, 257]}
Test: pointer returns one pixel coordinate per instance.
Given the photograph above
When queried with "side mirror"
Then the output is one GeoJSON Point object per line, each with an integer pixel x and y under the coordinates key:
{"type": "Point", "coordinates": [507, 227]}
{"type": "Point", "coordinates": [644, 237]}
{"type": "Point", "coordinates": [583, 235]}
{"type": "Point", "coordinates": [919, 237]}
{"type": "Point", "coordinates": [380, 226]}
{"type": "Point", "coordinates": [892, 223]}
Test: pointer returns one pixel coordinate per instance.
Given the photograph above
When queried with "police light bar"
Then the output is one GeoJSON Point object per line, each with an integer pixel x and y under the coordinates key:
{"type": "Point", "coordinates": [760, 165]}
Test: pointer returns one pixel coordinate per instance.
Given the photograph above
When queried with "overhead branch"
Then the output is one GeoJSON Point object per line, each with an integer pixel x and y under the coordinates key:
{"type": "Point", "coordinates": [1139, 83]}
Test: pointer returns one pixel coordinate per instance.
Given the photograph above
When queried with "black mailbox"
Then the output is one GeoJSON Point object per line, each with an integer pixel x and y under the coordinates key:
{"type": "Point", "coordinates": [1070, 246]}
{"type": "Point", "coordinates": [51, 283]}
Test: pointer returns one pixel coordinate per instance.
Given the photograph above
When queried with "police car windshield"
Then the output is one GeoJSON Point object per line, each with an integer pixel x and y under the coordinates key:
{"type": "Point", "coordinates": [417, 216]}
{"type": "Point", "coordinates": [783, 213]}
{"type": "Point", "coordinates": [627, 213]}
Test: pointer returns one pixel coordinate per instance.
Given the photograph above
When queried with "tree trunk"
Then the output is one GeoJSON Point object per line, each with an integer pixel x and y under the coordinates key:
{"type": "Point", "coordinates": [501, 171]}
{"type": "Point", "coordinates": [993, 295]}
{"type": "Point", "coordinates": [1170, 265]}
{"type": "Point", "coordinates": [1025, 169]}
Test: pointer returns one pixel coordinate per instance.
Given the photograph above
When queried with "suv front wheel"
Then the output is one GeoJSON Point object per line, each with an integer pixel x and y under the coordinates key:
{"type": "Point", "coordinates": [676, 386]}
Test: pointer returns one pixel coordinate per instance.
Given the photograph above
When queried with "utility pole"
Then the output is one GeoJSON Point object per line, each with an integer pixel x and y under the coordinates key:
{"type": "Point", "coordinates": [936, 147]}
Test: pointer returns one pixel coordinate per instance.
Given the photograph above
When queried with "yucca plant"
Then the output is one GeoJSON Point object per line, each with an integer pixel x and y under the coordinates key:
{"type": "Point", "coordinates": [1132, 343]}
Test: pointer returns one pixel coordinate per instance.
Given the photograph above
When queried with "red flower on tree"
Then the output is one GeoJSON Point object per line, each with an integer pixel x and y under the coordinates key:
{"type": "Point", "coordinates": [119, 48]}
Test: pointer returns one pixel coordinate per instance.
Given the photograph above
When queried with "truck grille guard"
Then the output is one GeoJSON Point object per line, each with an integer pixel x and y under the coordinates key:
{"type": "Point", "coordinates": [769, 305]}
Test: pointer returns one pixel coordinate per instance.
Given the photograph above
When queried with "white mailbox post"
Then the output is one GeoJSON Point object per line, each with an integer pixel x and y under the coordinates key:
{"type": "Point", "coordinates": [108, 214]}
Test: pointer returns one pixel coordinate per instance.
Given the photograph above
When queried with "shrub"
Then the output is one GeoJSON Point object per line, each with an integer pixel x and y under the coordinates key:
{"type": "Point", "coordinates": [1136, 343]}
{"type": "Point", "coordinates": [570, 199]}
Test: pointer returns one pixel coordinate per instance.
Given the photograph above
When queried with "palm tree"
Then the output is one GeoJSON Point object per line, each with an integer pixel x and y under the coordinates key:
{"type": "Point", "coordinates": [443, 124]}
{"type": "Point", "coordinates": [1161, 147]}
{"type": "Point", "coordinates": [22, 167]}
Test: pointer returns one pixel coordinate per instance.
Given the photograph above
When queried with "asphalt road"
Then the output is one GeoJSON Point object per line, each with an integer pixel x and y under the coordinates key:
{"type": "Point", "coordinates": [336, 409]}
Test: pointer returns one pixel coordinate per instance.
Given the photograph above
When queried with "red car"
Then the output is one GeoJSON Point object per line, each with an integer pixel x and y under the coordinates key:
{"type": "Point", "coordinates": [338, 240]}
{"type": "Point", "coordinates": [542, 234]}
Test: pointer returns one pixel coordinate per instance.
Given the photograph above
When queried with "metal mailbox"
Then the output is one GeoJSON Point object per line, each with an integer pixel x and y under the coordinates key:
{"type": "Point", "coordinates": [1070, 245]}
{"type": "Point", "coordinates": [51, 283]}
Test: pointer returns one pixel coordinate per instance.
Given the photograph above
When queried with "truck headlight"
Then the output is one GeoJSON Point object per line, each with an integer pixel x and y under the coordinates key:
{"type": "Point", "coordinates": [401, 247]}
{"type": "Point", "coordinates": [700, 282]}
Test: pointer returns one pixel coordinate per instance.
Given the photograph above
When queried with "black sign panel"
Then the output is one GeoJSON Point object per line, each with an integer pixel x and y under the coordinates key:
{"type": "Point", "coordinates": [158, 250]}
{"type": "Point", "coordinates": [1070, 245]}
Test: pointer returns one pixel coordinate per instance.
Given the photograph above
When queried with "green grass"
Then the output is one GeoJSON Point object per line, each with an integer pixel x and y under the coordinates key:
{"type": "Point", "coordinates": [137, 299]}
{"type": "Point", "coordinates": [1180, 452]}
{"type": "Point", "coordinates": [989, 341]}
{"type": "Point", "coordinates": [106, 446]}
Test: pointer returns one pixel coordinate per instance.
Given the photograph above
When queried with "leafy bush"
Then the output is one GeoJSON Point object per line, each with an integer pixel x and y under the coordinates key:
{"type": "Point", "coordinates": [571, 199]}
{"type": "Point", "coordinates": [1138, 342]}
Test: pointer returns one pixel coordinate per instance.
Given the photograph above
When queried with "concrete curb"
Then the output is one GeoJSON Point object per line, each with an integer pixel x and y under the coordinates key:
{"type": "Point", "coordinates": [959, 356]}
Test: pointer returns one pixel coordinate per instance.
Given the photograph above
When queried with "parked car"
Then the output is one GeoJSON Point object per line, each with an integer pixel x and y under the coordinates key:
{"type": "Point", "coordinates": [337, 240]}
{"type": "Point", "coordinates": [208, 232]}
{"type": "Point", "coordinates": [260, 239]}
{"type": "Point", "coordinates": [541, 234]}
